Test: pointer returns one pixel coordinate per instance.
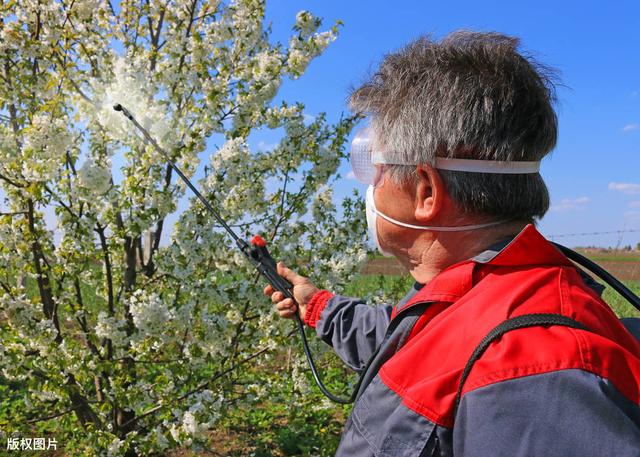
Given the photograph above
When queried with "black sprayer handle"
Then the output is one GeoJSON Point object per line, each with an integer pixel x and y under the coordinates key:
{"type": "Point", "coordinates": [264, 263]}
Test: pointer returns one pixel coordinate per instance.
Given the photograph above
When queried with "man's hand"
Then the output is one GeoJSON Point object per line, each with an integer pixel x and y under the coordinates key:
{"type": "Point", "coordinates": [303, 290]}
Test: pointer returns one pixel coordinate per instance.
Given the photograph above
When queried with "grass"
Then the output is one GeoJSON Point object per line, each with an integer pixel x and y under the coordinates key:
{"type": "Point", "coordinates": [393, 286]}
{"type": "Point", "coordinates": [619, 305]}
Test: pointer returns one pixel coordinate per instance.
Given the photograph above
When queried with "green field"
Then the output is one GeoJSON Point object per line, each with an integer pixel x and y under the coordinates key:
{"type": "Point", "coordinates": [621, 306]}
{"type": "Point", "coordinates": [610, 255]}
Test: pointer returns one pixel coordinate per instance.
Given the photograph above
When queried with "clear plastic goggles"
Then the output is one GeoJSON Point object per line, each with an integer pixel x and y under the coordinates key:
{"type": "Point", "coordinates": [367, 165]}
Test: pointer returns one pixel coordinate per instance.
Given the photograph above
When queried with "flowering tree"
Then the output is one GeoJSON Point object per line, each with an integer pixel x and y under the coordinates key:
{"type": "Point", "coordinates": [133, 343]}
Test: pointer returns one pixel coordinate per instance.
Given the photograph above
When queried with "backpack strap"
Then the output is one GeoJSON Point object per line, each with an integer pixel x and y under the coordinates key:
{"type": "Point", "coordinates": [526, 320]}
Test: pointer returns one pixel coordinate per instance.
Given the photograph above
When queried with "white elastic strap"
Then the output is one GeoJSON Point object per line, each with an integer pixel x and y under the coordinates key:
{"type": "Point", "coordinates": [377, 158]}
{"type": "Point", "coordinates": [461, 228]}
{"type": "Point", "coordinates": [488, 166]}
{"type": "Point", "coordinates": [470, 165]}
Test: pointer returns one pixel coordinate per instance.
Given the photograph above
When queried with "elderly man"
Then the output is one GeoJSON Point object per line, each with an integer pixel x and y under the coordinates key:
{"type": "Point", "coordinates": [457, 130]}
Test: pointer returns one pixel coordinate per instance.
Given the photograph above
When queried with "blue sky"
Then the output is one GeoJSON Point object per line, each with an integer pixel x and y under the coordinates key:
{"type": "Point", "coordinates": [594, 173]}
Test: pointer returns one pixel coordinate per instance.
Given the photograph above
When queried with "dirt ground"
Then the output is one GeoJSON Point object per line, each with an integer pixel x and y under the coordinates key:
{"type": "Point", "coordinates": [623, 270]}
{"type": "Point", "coordinates": [383, 267]}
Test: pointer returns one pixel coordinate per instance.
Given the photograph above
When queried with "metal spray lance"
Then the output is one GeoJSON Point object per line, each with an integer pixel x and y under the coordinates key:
{"type": "Point", "coordinates": [256, 251]}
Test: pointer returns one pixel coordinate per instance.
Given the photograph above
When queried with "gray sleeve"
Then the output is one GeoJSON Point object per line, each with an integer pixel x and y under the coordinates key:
{"type": "Point", "coordinates": [632, 324]}
{"type": "Point", "coordinates": [353, 328]}
{"type": "Point", "coordinates": [562, 413]}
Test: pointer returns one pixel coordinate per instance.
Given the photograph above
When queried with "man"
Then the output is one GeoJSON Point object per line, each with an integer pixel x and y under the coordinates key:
{"type": "Point", "coordinates": [457, 130]}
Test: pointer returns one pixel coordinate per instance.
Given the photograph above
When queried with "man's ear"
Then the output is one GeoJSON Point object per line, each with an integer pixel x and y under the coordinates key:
{"type": "Point", "coordinates": [429, 193]}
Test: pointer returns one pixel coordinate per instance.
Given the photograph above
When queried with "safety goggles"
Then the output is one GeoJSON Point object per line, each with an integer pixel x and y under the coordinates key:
{"type": "Point", "coordinates": [368, 164]}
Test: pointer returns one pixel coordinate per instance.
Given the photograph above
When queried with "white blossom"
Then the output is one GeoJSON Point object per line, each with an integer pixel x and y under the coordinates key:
{"type": "Point", "coordinates": [183, 307]}
{"type": "Point", "coordinates": [129, 88]}
{"type": "Point", "coordinates": [298, 61]}
{"type": "Point", "coordinates": [306, 22]}
{"type": "Point", "coordinates": [234, 149]}
{"type": "Point", "coordinates": [190, 424]}
{"type": "Point", "coordinates": [94, 177]}
{"type": "Point", "coordinates": [161, 441]}
{"type": "Point", "coordinates": [150, 313]}
{"type": "Point", "coordinates": [114, 448]}
{"type": "Point", "coordinates": [234, 316]}
{"type": "Point", "coordinates": [267, 65]}
{"type": "Point", "coordinates": [111, 328]}
{"type": "Point", "coordinates": [323, 203]}
{"type": "Point", "coordinates": [45, 143]}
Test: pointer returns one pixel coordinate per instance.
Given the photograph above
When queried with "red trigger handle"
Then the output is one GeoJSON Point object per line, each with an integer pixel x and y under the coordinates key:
{"type": "Point", "coordinates": [258, 241]}
{"type": "Point", "coordinates": [264, 263]}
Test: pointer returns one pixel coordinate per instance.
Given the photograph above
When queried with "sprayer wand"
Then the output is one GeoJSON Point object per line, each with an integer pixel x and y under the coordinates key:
{"type": "Point", "coordinates": [256, 252]}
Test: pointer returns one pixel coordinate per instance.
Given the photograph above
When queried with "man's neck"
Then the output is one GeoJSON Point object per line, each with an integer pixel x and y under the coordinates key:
{"type": "Point", "coordinates": [436, 251]}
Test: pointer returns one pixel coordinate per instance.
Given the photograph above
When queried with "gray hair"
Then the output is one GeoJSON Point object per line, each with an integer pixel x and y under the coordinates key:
{"type": "Point", "coordinates": [474, 96]}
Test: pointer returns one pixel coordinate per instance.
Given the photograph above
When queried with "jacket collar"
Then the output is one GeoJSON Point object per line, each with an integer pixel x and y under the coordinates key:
{"type": "Point", "coordinates": [527, 248]}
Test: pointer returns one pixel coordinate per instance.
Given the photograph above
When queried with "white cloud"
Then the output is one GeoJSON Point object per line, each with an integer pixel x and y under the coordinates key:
{"type": "Point", "coordinates": [630, 127]}
{"type": "Point", "coordinates": [570, 204]}
{"type": "Point", "coordinates": [351, 175]}
{"type": "Point", "coordinates": [632, 216]}
{"type": "Point", "coordinates": [264, 146]}
{"type": "Point", "coordinates": [634, 204]}
{"type": "Point", "coordinates": [625, 187]}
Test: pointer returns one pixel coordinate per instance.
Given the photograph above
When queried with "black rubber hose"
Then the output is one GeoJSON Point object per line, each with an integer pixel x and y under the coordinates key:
{"type": "Point", "coordinates": [601, 273]}
{"type": "Point", "coordinates": [314, 371]}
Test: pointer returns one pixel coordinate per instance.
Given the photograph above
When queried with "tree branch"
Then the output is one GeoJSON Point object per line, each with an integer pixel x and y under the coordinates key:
{"type": "Point", "coordinates": [192, 12]}
{"type": "Point", "coordinates": [106, 258]}
{"type": "Point", "coordinates": [199, 388]}
{"type": "Point", "coordinates": [52, 416]}
{"type": "Point", "coordinates": [81, 405]}
{"type": "Point", "coordinates": [107, 265]}
{"type": "Point", "coordinates": [44, 285]}
{"type": "Point", "coordinates": [58, 200]}
{"type": "Point", "coordinates": [82, 321]}
{"type": "Point", "coordinates": [282, 217]}
{"type": "Point", "coordinates": [7, 289]}
{"type": "Point", "coordinates": [155, 37]}
{"type": "Point", "coordinates": [13, 113]}
{"type": "Point", "coordinates": [150, 267]}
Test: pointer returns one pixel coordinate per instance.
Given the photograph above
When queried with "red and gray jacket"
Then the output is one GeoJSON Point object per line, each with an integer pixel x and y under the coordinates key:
{"type": "Point", "coordinates": [536, 391]}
